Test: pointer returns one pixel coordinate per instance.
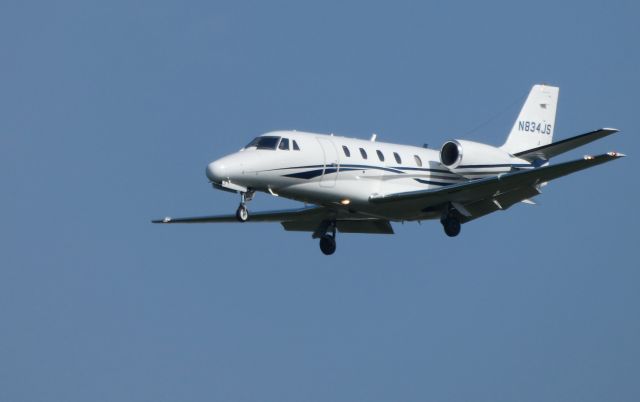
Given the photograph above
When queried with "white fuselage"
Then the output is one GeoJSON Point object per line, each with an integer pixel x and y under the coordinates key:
{"type": "Point", "coordinates": [341, 172]}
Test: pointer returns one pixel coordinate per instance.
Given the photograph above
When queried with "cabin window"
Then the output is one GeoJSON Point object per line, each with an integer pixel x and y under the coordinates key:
{"type": "Point", "coordinates": [295, 146]}
{"type": "Point", "coordinates": [284, 144]}
{"type": "Point", "coordinates": [363, 153]}
{"type": "Point", "coordinates": [380, 155]}
{"type": "Point", "coordinates": [347, 153]}
{"type": "Point", "coordinates": [418, 160]}
{"type": "Point", "coordinates": [398, 159]}
{"type": "Point", "coordinates": [264, 142]}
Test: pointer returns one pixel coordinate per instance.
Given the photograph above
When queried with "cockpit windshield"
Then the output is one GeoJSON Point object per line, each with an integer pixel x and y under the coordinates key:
{"type": "Point", "coordinates": [264, 142]}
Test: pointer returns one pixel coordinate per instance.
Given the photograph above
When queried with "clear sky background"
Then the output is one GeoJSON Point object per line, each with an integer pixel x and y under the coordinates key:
{"type": "Point", "coordinates": [111, 110]}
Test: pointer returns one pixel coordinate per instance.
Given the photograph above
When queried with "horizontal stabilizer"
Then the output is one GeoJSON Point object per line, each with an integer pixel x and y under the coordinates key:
{"type": "Point", "coordinates": [547, 152]}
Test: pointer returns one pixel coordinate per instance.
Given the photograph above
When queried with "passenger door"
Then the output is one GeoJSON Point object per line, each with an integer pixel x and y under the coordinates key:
{"type": "Point", "coordinates": [331, 162]}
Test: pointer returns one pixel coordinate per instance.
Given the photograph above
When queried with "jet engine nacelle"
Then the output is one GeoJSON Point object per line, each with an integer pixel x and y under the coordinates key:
{"type": "Point", "coordinates": [474, 159]}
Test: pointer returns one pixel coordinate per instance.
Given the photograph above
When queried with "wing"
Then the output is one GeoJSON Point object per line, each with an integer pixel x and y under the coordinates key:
{"type": "Point", "coordinates": [479, 197]}
{"type": "Point", "coordinates": [266, 216]}
{"type": "Point", "coordinates": [547, 152]}
{"type": "Point", "coordinates": [303, 219]}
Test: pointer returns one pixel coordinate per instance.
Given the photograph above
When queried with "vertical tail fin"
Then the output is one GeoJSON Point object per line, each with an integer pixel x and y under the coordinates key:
{"type": "Point", "coordinates": [536, 121]}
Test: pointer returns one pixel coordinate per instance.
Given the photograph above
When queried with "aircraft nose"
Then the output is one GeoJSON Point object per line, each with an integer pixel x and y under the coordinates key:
{"type": "Point", "coordinates": [216, 171]}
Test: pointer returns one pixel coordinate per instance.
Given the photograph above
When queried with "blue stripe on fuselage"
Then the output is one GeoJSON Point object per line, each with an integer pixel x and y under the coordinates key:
{"type": "Point", "coordinates": [435, 183]}
{"type": "Point", "coordinates": [349, 167]}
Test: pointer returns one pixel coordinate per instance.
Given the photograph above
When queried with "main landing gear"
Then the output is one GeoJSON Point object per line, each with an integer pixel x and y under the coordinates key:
{"type": "Point", "coordinates": [328, 244]}
{"type": "Point", "coordinates": [451, 226]}
{"type": "Point", "coordinates": [242, 213]}
{"type": "Point", "coordinates": [328, 239]}
{"type": "Point", "coordinates": [451, 222]}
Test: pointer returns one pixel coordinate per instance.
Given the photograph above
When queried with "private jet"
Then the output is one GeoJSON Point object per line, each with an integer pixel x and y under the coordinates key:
{"type": "Point", "coordinates": [361, 186]}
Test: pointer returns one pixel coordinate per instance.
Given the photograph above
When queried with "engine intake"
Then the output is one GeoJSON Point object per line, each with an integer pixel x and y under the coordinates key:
{"type": "Point", "coordinates": [451, 153]}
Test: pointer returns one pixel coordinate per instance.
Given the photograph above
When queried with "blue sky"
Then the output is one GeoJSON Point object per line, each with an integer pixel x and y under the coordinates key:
{"type": "Point", "coordinates": [111, 111]}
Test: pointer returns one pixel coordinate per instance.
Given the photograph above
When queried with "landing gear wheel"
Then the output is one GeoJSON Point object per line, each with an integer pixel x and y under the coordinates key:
{"type": "Point", "coordinates": [328, 244]}
{"type": "Point", "coordinates": [451, 226]}
{"type": "Point", "coordinates": [242, 214]}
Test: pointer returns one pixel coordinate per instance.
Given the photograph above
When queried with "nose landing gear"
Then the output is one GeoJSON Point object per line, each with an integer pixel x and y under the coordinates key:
{"type": "Point", "coordinates": [242, 213]}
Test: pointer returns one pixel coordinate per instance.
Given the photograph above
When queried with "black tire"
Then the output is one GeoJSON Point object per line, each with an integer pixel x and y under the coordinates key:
{"type": "Point", "coordinates": [242, 214]}
{"type": "Point", "coordinates": [327, 245]}
{"type": "Point", "coordinates": [451, 227]}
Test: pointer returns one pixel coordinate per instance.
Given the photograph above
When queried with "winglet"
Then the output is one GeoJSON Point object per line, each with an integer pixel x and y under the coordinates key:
{"type": "Point", "coordinates": [166, 219]}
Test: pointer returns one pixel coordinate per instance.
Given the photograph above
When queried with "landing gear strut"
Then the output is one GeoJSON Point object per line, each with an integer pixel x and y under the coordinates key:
{"type": "Point", "coordinates": [451, 222]}
{"type": "Point", "coordinates": [328, 240]}
{"type": "Point", "coordinates": [242, 213]}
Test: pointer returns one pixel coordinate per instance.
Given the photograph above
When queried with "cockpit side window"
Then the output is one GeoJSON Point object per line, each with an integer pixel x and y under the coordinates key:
{"type": "Point", "coordinates": [295, 146]}
{"type": "Point", "coordinates": [265, 142]}
{"type": "Point", "coordinates": [284, 144]}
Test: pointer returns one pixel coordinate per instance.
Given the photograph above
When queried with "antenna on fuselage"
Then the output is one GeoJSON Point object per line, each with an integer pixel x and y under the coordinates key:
{"type": "Point", "coordinates": [373, 137]}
